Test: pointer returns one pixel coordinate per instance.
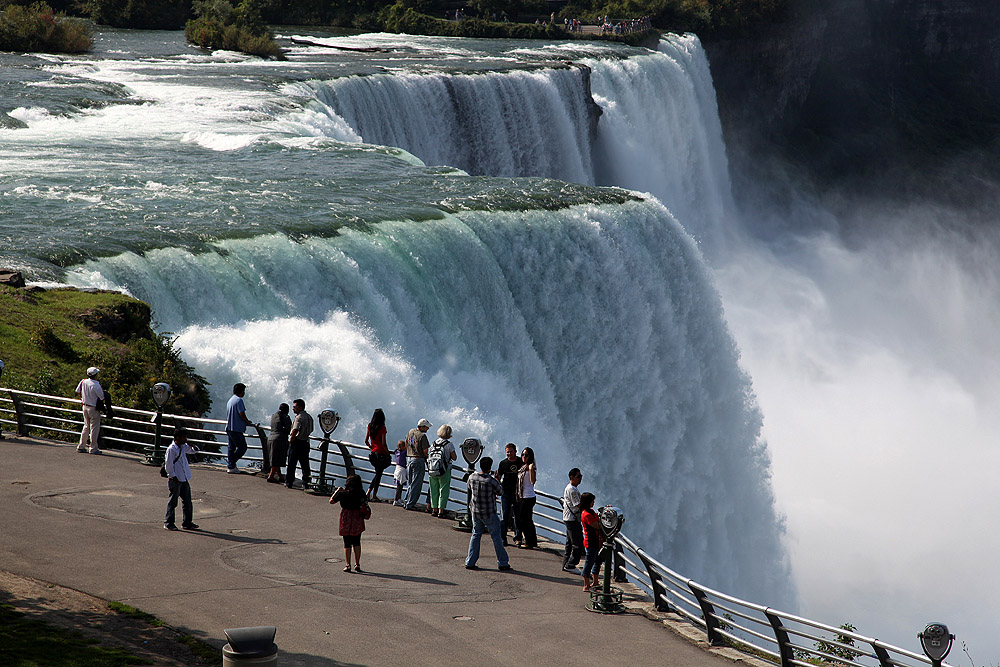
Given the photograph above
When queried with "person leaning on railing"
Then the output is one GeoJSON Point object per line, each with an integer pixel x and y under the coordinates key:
{"type": "Point", "coordinates": [90, 393]}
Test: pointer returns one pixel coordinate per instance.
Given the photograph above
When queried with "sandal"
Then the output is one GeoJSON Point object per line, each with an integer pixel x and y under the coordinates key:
{"type": "Point", "coordinates": [357, 568]}
{"type": "Point", "coordinates": [347, 569]}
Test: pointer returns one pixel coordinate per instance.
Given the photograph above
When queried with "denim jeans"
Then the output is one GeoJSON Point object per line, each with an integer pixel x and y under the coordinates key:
{"type": "Point", "coordinates": [237, 447]}
{"type": "Point", "coordinates": [508, 515]}
{"type": "Point", "coordinates": [592, 566]}
{"type": "Point", "coordinates": [479, 526]}
{"type": "Point", "coordinates": [415, 469]}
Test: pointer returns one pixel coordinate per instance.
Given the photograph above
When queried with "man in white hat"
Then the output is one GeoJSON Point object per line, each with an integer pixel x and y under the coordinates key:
{"type": "Point", "coordinates": [416, 462]}
{"type": "Point", "coordinates": [90, 392]}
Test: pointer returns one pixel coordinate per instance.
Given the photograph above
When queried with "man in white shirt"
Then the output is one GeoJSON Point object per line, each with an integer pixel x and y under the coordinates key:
{"type": "Point", "coordinates": [90, 391]}
{"type": "Point", "coordinates": [571, 517]}
{"type": "Point", "coordinates": [179, 481]}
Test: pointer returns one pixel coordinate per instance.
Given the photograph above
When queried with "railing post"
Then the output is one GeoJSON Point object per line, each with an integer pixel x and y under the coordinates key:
{"type": "Point", "coordinates": [882, 655]}
{"type": "Point", "coordinates": [708, 611]}
{"type": "Point", "coordinates": [263, 447]}
{"type": "Point", "coordinates": [784, 643]}
{"type": "Point", "coordinates": [348, 462]}
{"type": "Point", "coordinates": [22, 423]}
{"type": "Point", "coordinates": [659, 604]}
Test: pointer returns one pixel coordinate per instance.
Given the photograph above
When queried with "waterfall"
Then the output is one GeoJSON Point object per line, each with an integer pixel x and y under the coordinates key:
{"type": "Point", "coordinates": [593, 334]}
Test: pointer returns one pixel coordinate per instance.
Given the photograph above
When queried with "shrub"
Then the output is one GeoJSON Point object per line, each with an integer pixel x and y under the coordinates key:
{"type": "Point", "coordinates": [37, 28]}
{"type": "Point", "coordinates": [220, 25]}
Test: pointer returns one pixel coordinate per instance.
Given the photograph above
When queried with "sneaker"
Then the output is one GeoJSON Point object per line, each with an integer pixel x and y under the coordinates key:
{"type": "Point", "coordinates": [189, 526]}
{"type": "Point", "coordinates": [96, 451]}
{"type": "Point", "coordinates": [572, 570]}
{"type": "Point", "coordinates": [504, 568]}
{"type": "Point", "coordinates": [169, 526]}
{"type": "Point", "coordinates": [471, 567]}
{"type": "Point", "coordinates": [81, 451]}
{"type": "Point", "coordinates": [397, 503]}
{"type": "Point", "coordinates": [233, 471]}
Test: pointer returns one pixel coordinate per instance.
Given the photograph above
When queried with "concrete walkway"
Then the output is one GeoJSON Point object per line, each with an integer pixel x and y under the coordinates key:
{"type": "Point", "coordinates": [266, 555]}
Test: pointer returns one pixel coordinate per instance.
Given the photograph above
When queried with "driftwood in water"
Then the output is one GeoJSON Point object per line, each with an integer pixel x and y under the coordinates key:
{"type": "Point", "coordinates": [361, 49]}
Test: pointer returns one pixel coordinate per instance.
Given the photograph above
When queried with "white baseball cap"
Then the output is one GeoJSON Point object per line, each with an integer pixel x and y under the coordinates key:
{"type": "Point", "coordinates": [424, 422]}
{"type": "Point", "coordinates": [93, 371]}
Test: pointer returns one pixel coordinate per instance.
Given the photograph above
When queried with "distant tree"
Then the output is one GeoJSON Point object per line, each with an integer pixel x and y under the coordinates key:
{"type": "Point", "coordinates": [141, 14]}
{"type": "Point", "coordinates": [221, 25]}
{"type": "Point", "coordinates": [38, 28]}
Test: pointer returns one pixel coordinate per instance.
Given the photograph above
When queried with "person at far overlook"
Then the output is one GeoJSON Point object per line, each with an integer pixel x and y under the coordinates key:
{"type": "Point", "coordinates": [380, 458]}
{"type": "Point", "coordinates": [571, 517]}
{"type": "Point", "coordinates": [179, 481]}
{"type": "Point", "coordinates": [277, 443]}
{"type": "Point", "coordinates": [90, 392]}
{"type": "Point", "coordinates": [416, 462]}
{"type": "Point", "coordinates": [593, 539]}
{"type": "Point", "coordinates": [439, 458]}
{"type": "Point", "coordinates": [507, 474]}
{"type": "Point", "coordinates": [399, 457]}
{"type": "Point", "coordinates": [236, 427]}
{"type": "Point", "coordinates": [298, 443]}
{"type": "Point", "coordinates": [484, 489]}
{"type": "Point", "coordinates": [527, 475]}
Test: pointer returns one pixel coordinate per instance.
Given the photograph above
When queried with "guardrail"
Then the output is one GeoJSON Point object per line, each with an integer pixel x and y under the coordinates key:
{"type": "Point", "coordinates": [772, 635]}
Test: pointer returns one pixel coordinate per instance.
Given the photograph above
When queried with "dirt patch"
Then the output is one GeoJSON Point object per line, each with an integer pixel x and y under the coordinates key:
{"type": "Point", "coordinates": [73, 610]}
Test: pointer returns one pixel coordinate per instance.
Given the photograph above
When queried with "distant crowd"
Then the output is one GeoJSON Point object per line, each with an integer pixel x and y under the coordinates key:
{"type": "Point", "coordinates": [414, 457]}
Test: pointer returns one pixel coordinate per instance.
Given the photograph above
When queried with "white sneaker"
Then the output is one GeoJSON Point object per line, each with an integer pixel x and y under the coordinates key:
{"type": "Point", "coordinates": [573, 570]}
{"type": "Point", "coordinates": [233, 471]}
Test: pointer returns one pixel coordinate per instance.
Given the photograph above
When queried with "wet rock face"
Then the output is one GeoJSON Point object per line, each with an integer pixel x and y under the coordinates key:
{"type": "Point", "coordinates": [11, 278]}
{"type": "Point", "coordinates": [845, 81]}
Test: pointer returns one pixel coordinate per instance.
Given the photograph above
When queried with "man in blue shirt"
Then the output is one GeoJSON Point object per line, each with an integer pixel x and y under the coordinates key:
{"type": "Point", "coordinates": [483, 508]}
{"type": "Point", "coordinates": [236, 427]}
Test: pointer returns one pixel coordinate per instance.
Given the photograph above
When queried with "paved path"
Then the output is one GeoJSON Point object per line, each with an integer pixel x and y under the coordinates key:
{"type": "Point", "coordinates": [270, 556]}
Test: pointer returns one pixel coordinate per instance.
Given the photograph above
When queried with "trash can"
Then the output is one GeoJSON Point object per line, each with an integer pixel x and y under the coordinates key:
{"type": "Point", "coordinates": [250, 646]}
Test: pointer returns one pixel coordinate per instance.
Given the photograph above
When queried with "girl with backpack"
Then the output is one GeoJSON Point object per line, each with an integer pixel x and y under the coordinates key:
{"type": "Point", "coordinates": [354, 510]}
{"type": "Point", "coordinates": [439, 458]}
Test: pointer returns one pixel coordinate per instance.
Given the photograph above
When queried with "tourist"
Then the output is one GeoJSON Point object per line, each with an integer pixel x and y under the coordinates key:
{"type": "Point", "coordinates": [509, 507]}
{"type": "Point", "coordinates": [571, 518]}
{"type": "Point", "coordinates": [592, 540]}
{"type": "Point", "coordinates": [276, 449]}
{"type": "Point", "coordinates": [90, 392]}
{"type": "Point", "coordinates": [179, 481]}
{"type": "Point", "coordinates": [416, 462]}
{"type": "Point", "coordinates": [298, 444]}
{"type": "Point", "coordinates": [399, 458]}
{"type": "Point", "coordinates": [439, 458]}
{"type": "Point", "coordinates": [236, 427]}
{"type": "Point", "coordinates": [484, 489]}
{"type": "Point", "coordinates": [354, 510]}
{"type": "Point", "coordinates": [380, 458]}
{"type": "Point", "coordinates": [527, 475]}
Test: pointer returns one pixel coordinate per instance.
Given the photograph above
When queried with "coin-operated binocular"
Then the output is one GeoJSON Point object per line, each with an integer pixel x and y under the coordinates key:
{"type": "Point", "coordinates": [472, 450]}
{"type": "Point", "coordinates": [936, 642]}
{"type": "Point", "coordinates": [328, 422]}
{"type": "Point", "coordinates": [608, 599]}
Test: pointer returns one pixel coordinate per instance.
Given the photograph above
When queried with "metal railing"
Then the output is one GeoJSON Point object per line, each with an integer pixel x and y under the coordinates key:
{"type": "Point", "coordinates": [772, 635]}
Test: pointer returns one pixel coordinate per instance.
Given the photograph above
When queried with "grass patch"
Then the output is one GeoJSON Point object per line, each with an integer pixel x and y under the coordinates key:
{"type": "Point", "coordinates": [50, 337]}
{"type": "Point", "coordinates": [131, 612]}
{"type": "Point", "coordinates": [29, 643]}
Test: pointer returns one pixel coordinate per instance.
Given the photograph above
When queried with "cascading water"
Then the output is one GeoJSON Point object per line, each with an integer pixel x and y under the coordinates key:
{"type": "Point", "coordinates": [593, 334]}
{"type": "Point", "coordinates": [581, 321]}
